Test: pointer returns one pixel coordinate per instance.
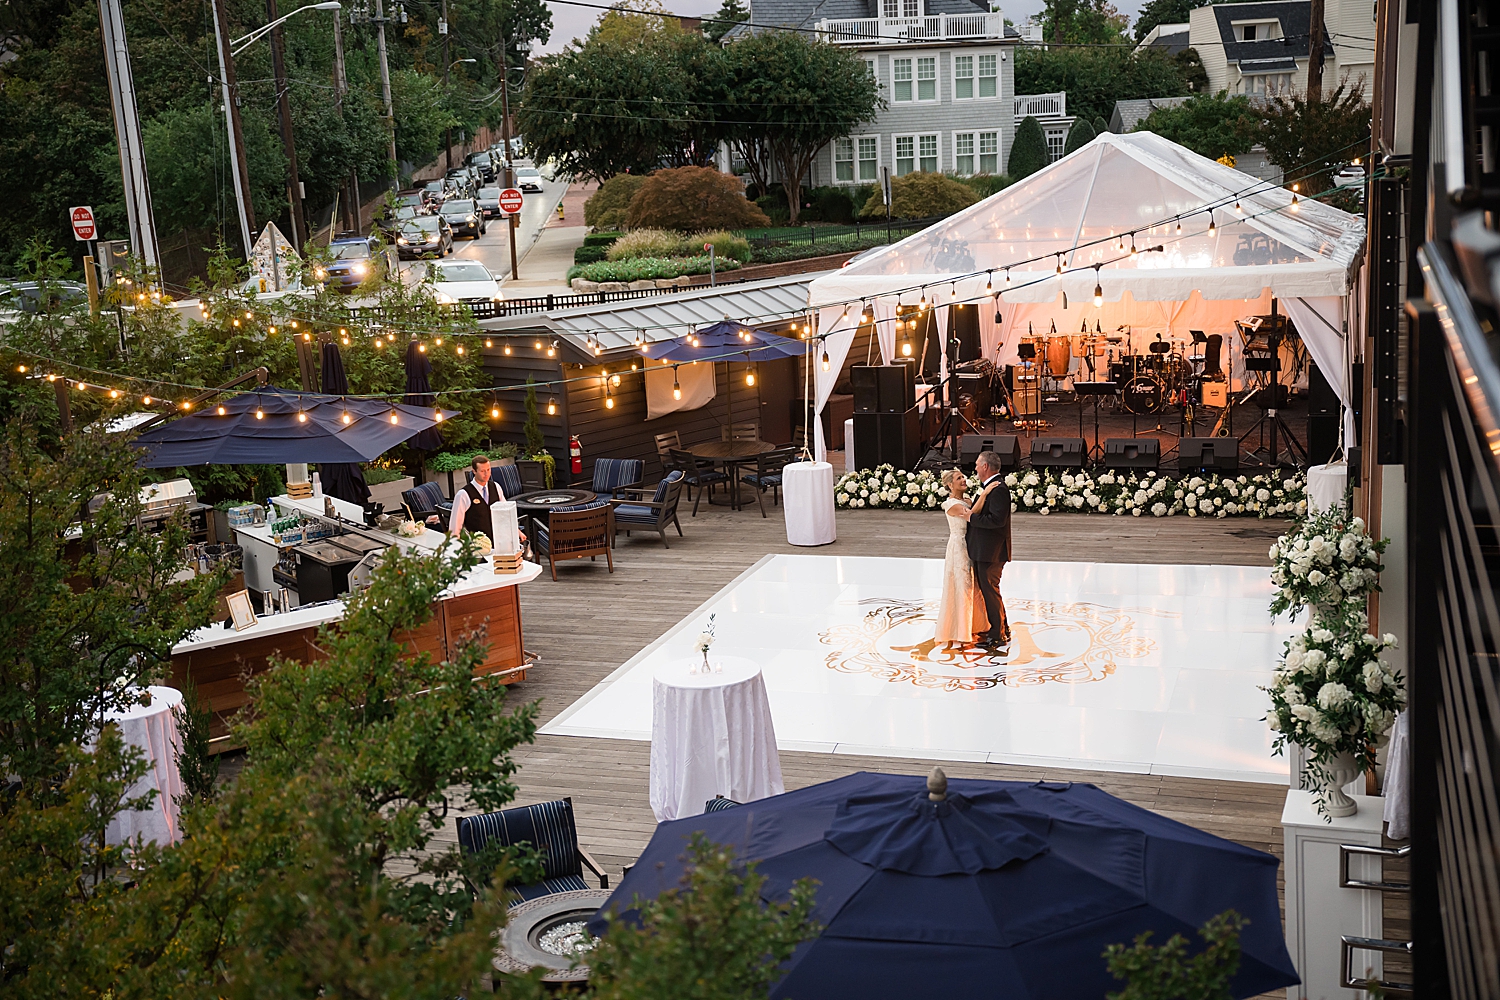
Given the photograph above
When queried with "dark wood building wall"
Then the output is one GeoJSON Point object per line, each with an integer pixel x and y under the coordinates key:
{"type": "Point", "coordinates": [512, 370]}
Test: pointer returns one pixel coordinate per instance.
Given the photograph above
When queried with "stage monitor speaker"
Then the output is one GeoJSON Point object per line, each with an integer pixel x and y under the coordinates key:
{"type": "Point", "coordinates": [1208, 454]}
{"type": "Point", "coordinates": [1320, 395]}
{"type": "Point", "coordinates": [887, 439]}
{"type": "Point", "coordinates": [1322, 436]}
{"type": "Point", "coordinates": [882, 388]}
{"type": "Point", "coordinates": [1058, 453]}
{"type": "Point", "coordinates": [1132, 453]}
{"type": "Point", "coordinates": [1007, 447]}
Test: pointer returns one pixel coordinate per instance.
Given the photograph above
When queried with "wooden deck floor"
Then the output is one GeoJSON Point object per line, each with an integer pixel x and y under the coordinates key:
{"type": "Point", "coordinates": [589, 622]}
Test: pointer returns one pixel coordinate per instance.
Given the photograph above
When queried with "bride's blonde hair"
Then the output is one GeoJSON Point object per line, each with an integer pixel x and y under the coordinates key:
{"type": "Point", "coordinates": [955, 477]}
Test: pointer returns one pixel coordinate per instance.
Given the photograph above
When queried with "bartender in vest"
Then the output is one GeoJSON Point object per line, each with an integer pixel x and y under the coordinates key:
{"type": "Point", "coordinates": [471, 505]}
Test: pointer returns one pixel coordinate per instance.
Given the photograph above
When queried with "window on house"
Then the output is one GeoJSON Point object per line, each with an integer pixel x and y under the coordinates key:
{"type": "Point", "coordinates": [927, 153]}
{"type": "Point", "coordinates": [989, 152]}
{"type": "Point", "coordinates": [987, 77]}
{"type": "Point", "coordinates": [1247, 32]}
{"type": "Point", "coordinates": [963, 153]}
{"type": "Point", "coordinates": [891, 8]}
{"type": "Point", "coordinates": [1268, 83]}
{"type": "Point", "coordinates": [870, 68]}
{"type": "Point", "coordinates": [1055, 143]}
{"type": "Point", "coordinates": [963, 77]}
{"type": "Point", "coordinates": [901, 74]}
{"type": "Point", "coordinates": [911, 8]}
{"type": "Point", "coordinates": [927, 78]}
{"type": "Point", "coordinates": [843, 160]}
{"type": "Point", "coordinates": [869, 158]}
{"type": "Point", "coordinates": [906, 154]}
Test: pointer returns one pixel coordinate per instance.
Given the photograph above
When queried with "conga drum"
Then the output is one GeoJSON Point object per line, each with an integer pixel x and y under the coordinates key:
{"type": "Point", "coordinates": [1059, 355]}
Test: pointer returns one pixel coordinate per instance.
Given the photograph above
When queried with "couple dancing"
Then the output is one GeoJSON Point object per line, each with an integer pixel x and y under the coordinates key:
{"type": "Point", "coordinates": [972, 610]}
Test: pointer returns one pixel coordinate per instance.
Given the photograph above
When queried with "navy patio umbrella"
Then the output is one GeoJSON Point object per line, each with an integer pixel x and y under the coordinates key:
{"type": "Point", "coordinates": [720, 341]}
{"type": "Point", "coordinates": [344, 480]}
{"type": "Point", "coordinates": [1001, 889]}
{"type": "Point", "coordinates": [419, 393]}
{"type": "Point", "coordinates": [271, 425]}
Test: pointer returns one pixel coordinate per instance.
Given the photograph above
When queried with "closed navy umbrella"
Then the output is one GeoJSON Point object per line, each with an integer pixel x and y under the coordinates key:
{"type": "Point", "coordinates": [1001, 889]}
{"type": "Point", "coordinates": [345, 480]}
{"type": "Point", "coordinates": [419, 393]}
{"type": "Point", "coordinates": [271, 425]}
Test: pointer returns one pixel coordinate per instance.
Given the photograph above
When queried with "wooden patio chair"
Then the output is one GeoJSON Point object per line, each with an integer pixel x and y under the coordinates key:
{"type": "Point", "coordinates": [547, 826]}
{"type": "Point", "coordinates": [742, 430]}
{"type": "Point", "coordinates": [639, 514]}
{"type": "Point", "coordinates": [767, 475]}
{"type": "Point", "coordinates": [665, 443]}
{"type": "Point", "coordinates": [698, 473]}
{"type": "Point", "coordinates": [574, 532]}
{"type": "Point", "coordinates": [533, 474]}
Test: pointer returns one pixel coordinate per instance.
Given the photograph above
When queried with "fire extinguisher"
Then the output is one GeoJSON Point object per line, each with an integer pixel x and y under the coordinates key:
{"type": "Point", "coordinates": [575, 452]}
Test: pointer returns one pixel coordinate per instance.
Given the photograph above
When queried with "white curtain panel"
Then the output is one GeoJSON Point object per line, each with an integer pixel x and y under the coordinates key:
{"type": "Point", "coordinates": [696, 380]}
{"type": "Point", "coordinates": [836, 343]}
{"type": "Point", "coordinates": [884, 311]}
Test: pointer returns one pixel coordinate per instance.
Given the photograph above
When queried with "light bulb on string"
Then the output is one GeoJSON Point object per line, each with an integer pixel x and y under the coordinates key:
{"type": "Point", "coordinates": [551, 406]}
{"type": "Point", "coordinates": [437, 415]}
{"type": "Point", "coordinates": [306, 337]}
{"type": "Point", "coordinates": [113, 393]}
{"type": "Point", "coordinates": [989, 282]}
{"type": "Point", "coordinates": [346, 418]}
{"type": "Point", "coordinates": [1295, 206]}
{"type": "Point", "coordinates": [1179, 227]}
{"type": "Point", "coordinates": [1237, 208]}
{"type": "Point", "coordinates": [906, 348]}
{"type": "Point", "coordinates": [538, 345]}
{"type": "Point", "coordinates": [272, 329]}
{"type": "Point", "coordinates": [1120, 244]}
{"type": "Point", "coordinates": [1211, 227]}
{"type": "Point", "coordinates": [187, 404]}
{"type": "Point", "coordinates": [826, 362]}
{"type": "Point", "coordinates": [460, 348]}
{"type": "Point", "coordinates": [489, 342]}
{"type": "Point", "coordinates": [552, 349]}
{"type": "Point", "coordinates": [614, 379]}
{"type": "Point", "coordinates": [301, 417]}
{"type": "Point", "coordinates": [222, 411]}
{"type": "Point", "coordinates": [494, 412]}
{"type": "Point", "coordinates": [609, 399]}
{"type": "Point", "coordinates": [1133, 250]}
{"type": "Point", "coordinates": [395, 416]}
{"type": "Point", "coordinates": [750, 376]}
{"type": "Point", "coordinates": [1007, 277]}
{"type": "Point", "coordinates": [1098, 289]}
{"type": "Point", "coordinates": [260, 414]}
{"type": "Point", "coordinates": [506, 348]}
{"type": "Point", "coordinates": [438, 341]}
{"type": "Point", "coordinates": [82, 385]}
{"type": "Point", "coordinates": [922, 305]}
{"type": "Point", "coordinates": [676, 386]}
{"type": "Point", "coordinates": [1059, 263]}
{"type": "Point", "coordinates": [145, 400]}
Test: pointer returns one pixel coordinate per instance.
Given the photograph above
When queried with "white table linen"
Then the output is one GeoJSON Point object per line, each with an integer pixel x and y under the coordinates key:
{"type": "Point", "coordinates": [153, 728]}
{"type": "Point", "coordinates": [1325, 486]}
{"type": "Point", "coordinates": [807, 498]}
{"type": "Point", "coordinates": [711, 734]}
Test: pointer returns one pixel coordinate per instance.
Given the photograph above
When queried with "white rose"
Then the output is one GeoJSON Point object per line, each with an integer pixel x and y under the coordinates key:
{"type": "Point", "coordinates": [1158, 509]}
{"type": "Point", "coordinates": [1388, 639]}
{"type": "Point", "coordinates": [1321, 635]}
{"type": "Point", "coordinates": [1273, 721]}
{"type": "Point", "coordinates": [1304, 712]}
{"type": "Point", "coordinates": [1316, 577]}
{"type": "Point", "coordinates": [1044, 510]}
{"type": "Point", "coordinates": [1262, 495]}
{"type": "Point", "coordinates": [1374, 677]}
{"type": "Point", "coordinates": [1294, 658]}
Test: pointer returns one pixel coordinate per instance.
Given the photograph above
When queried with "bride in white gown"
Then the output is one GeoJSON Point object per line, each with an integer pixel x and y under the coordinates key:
{"type": "Point", "coordinates": [961, 615]}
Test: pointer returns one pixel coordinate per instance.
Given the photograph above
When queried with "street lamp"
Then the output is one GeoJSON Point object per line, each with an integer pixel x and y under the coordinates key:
{"type": "Point", "coordinates": [241, 44]}
{"type": "Point", "coordinates": [448, 135]}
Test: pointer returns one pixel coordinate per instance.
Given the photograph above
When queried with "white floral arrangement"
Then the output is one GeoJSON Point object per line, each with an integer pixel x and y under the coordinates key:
{"type": "Point", "coordinates": [482, 544]}
{"type": "Point", "coordinates": [1332, 694]}
{"type": "Point", "coordinates": [1046, 491]}
{"type": "Point", "coordinates": [1329, 563]}
{"type": "Point", "coordinates": [410, 529]}
{"type": "Point", "coordinates": [705, 639]}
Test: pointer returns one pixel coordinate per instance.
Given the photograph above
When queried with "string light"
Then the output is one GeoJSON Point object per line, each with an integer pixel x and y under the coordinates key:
{"type": "Point", "coordinates": [187, 404]}
{"type": "Point", "coordinates": [83, 385]}
{"type": "Point", "coordinates": [1295, 206]}
{"type": "Point", "coordinates": [272, 329]}
{"type": "Point", "coordinates": [1211, 228]}
{"type": "Point", "coordinates": [1059, 263]}
{"type": "Point", "coordinates": [826, 362]}
{"type": "Point", "coordinates": [614, 379]}
{"type": "Point", "coordinates": [438, 341]}
{"type": "Point", "coordinates": [395, 416]}
{"type": "Point", "coordinates": [1098, 289]}
{"type": "Point", "coordinates": [1237, 208]}
{"type": "Point", "coordinates": [223, 411]}
{"type": "Point", "coordinates": [1007, 277]}
{"type": "Point", "coordinates": [1179, 227]}
{"type": "Point", "coordinates": [306, 337]}
{"type": "Point", "coordinates": [750, 376]}
{"type": "Point", "coordinates": [552, 349]}
{"type": "Point", "coordinates": [676, 387]}
{"type": "Point", "coordinates": [989, 282]}
{"type": "Point", "coordinates": [1133, 250]}
{"type": "Point", "coordinates": [906, 348]}
{"type": "Point", "coordinates": [21, 369]}
{"type": "Point", "coordinates": [922, 305]}
{"type": "Point", "coordinates": [422, 348]}
{"type": "Point", "coordinates": [260, 414]}
{"type": "Point", "coordinates": [538, 345]}
{"type": "Point", "coordinates": [506, 349]}
{"type": "Point", "coordinates": [488, 342]}
{"type": "Point", "coordinates": [437, 415]}
{"type": "Point", "coordinates": [145, 400]}
{"type": "Point", "coordinates": [346, 418]}
{"type": "Point", "coordinates": [302, 417]}
{"type": "Point", "coordinates": [460, 348]}
{"type": "Point", "coordinates": [114, 394]}
{"type": "Point", "coordinates": [551, 406]}
{"type": "Point", "coordinates": [609, 399]}
{"type": "Point", "coordinates": [1120, 243]}
{"type": "Point", "coordinates": [51, 378]}
{"type": "Point", "coordinates": [495, 412]}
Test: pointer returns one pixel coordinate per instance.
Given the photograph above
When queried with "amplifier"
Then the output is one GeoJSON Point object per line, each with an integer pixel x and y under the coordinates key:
{"type": "Point", "coordinates": [1027, 396]}
{"type": "Point", "coordinates": [1208, 454]}
{"type": "Point", "coordinates": [887, 439]}
{"type": "Point", "coordinates": [1007, 447]}
{"type": "Point", "coordinates": [1057, 453]}
{"type": "Point", "coordinates": [1132, 453]}
{"type": "Point", "coordinates": [1215, 394]}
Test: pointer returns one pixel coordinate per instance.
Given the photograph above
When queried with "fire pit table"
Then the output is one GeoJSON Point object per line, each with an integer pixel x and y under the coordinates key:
{"type": "Point", "coordinates": [545, 931]}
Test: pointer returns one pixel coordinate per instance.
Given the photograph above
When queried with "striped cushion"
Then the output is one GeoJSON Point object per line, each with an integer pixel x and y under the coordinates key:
{"type": "Point", "coordinates": [508, 478]}
{"type": "Point", "coordinates": [611, 474]}
{"type": "Point", "coordinates": [718, 804]}
{"type": "Point", "coordinates": [548, 826]}
{"type": "Point", "coordinates": [661, 488]}
{"type": "Point", "coordinates": [433, 494]}
{"type": "Point", "coordinates": [634, 512]}
{"type": "Point", "coordinates": [546, 887]}
{"type": "Point", "coordinates": [581, 506]}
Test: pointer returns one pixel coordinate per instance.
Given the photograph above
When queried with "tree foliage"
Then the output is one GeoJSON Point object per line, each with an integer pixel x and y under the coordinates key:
{"type": "Point", "coordinates": [1311, 141]}
{"type": "Point", "coordinates": [1095, 78]}
{"type": "Point", "coordinates": [1210, 125]}
{"type": "Point", "coordinates": [1082, 22]}
{"type": "Point", "coordinates": [730, 13]}
{"type": "Point", "coordinates": [1080, 134]}
{"type": "Point", "coordinates": [921, 195]}
{"type": "Point", "coordinates": [1028, 150]}
{"type": "Point", "coordinates": [716, 938]}
{"type": "Point", "coordinates": [1154, 12]}
{"type": "Point", "coordinates": [607, 207]}
{"type": "Point", "coordinates": [691, 198]}
{"type": "Point", "coordinates": [1167, 973]}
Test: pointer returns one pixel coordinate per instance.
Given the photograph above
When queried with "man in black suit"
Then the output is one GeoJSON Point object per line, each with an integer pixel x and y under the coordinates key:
{"type": "Point", "coordinates": [989, 545]}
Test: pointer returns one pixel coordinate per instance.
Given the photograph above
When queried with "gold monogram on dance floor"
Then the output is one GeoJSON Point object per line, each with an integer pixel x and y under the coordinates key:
{"type": "Point", "coordinates": [1069, 642]}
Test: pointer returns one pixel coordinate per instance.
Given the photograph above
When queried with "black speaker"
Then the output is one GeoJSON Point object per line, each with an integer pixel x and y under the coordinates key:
{"type": "Point", "coordinates": [1007, 448]}
{"type": "Point", "coordinates": [1208, 454]}
{"type": "Point", "coordinates": [882, 388]}
{"type": "Point", "coordinates": [865, 386]}
{"type": "Point", "coordinates": [887, 439]}
{"type": "Point", "coordinates": [1324, 417]}
{"type": "Point", "coordinates": [1132, 453]}
{"type": "Point", "coordinates": [1058, 453]}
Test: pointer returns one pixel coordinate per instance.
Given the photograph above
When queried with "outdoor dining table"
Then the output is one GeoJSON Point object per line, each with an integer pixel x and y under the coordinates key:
{"type": "Point", "coordinates": [153, 729]}
{"type": "Point", "coordinates": [732, 455]}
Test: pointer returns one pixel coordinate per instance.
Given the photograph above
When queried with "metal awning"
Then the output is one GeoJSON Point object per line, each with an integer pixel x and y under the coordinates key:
{"type": "Point", "coordinates": [773, 305]}
{"type": "Point", "coordinates": [1268, 65]}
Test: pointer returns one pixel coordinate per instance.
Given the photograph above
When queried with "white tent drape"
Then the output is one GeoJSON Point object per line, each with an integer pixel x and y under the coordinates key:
{"type": "Point", "coordinates": [1323, 316]}
{"type": "Point", "coordinates": [884, 312]}
{"type": "Point", "coordinates": [836, 345]}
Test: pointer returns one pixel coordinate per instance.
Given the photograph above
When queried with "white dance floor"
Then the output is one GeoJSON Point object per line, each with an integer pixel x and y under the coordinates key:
{"type": "Point", "coordinates": [1116, 667]}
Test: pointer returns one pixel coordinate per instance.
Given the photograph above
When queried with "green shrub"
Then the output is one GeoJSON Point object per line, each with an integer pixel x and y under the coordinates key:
{"type": "Point", "coordinates": [649, 268]}
{"type": "Point", "coordinates": [607, 206]}
{"type": "Point", "coordinates": [374, 476]}
{"type": "Point", "coordinates": [588, 254]}
{"type": "Point", "coordinates": [726, 244]}
{"type": "Point", "coordinates": [774, 205]}
{"type": "Point", "coordinates": [1100, 126]}
{"type": "Point", "coordinates": [692, 198]}
{"type": "Point", "coordinates": [601, 239]}
{"type": "Point", "coordinates": [847, 243]}
{"type": "Point", "coordinates": [984, 185]}
{"type": "Point", "coordinates": [1080, 135]}
{"type": "Point", "coordinates": [1028, 151]}
{"type": "Point", "coordinates": [646, 243]}
{"type": "Point", "coordinates": [919, 195]}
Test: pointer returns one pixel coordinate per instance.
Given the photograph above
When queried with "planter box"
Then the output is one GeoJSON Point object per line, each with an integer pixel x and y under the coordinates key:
{"type": "Point", "coordinates": [390, 493]}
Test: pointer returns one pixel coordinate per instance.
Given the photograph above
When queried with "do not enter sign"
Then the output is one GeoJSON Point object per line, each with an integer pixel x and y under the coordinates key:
{"type": "Point", "coordinates": [510, 201]}
{"type": "Point", "coordinates": [82, 218]}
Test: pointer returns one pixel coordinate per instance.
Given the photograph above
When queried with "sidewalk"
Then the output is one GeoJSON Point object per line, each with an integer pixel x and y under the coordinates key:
{"type": "Point", "coordinates": [544, 269]}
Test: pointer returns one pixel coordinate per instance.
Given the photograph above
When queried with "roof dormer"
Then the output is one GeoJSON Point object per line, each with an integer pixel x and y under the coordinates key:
{"type": "Point", "coordinates": [1256, 30]}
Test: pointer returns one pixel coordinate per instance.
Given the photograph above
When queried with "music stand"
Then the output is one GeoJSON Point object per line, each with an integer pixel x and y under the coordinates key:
{"type": "Point", "coordinates": [1269, 361]}
{"type": "Point", "coordinates": [1095, 391]}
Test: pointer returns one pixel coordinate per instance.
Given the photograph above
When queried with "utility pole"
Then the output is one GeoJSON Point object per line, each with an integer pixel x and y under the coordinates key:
{"type": "Point", "coordinates": [128, 133]}
{"type": "Point", "coordinates": [447, 66]}
{"type": "Point", "coordinates": [237, 163]}
{"type": "Point", "coordinates": [1315, 53]}
{"type": "Point", "coordinates": [340, 88]}
{"type": "Point", "coordinates": [385, 88]}
{"type": "Point", "coordinates": [510, 171]}
{"type": "Point", "coordinates": [284, 112]}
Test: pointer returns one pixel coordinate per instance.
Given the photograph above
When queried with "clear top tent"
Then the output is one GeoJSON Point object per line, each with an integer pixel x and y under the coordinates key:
{"type": "Point", "coordinates": [1083, 214]}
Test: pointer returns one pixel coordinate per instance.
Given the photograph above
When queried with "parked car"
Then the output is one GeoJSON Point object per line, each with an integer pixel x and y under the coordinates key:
{"type": "Point", "coordinates": [355, 259]}
{"type": "Point", "coordinates": [464, 216]}
{"type": "Point", "coordinates": [529, 179]}
{"type": "Point", "coordinates": [432, 194]}
{"type": "Point", "coordinates": [31, 297]}
{"type": "Point", "coordinates": [462, 281]}
{"type": "Point", "coordinates": [425, 236]}
{"type": "Point", "coordinates": [388, 220]}
{"type": "Point", "coordinates": [489, 201]}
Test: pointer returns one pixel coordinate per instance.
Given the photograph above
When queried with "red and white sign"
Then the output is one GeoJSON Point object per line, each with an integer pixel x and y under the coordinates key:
{"type": "Point", "coordinates": [510, 201]}
{"type": "Point", "coordinates": [83, 223]}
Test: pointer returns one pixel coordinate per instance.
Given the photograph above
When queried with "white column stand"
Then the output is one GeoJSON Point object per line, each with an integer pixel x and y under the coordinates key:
{"type": "Point", "coordinates": [1318, 912]}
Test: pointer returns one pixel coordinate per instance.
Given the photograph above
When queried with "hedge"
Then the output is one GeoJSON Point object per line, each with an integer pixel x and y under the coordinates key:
{"type": "Point", "coordinates": [648, 268]}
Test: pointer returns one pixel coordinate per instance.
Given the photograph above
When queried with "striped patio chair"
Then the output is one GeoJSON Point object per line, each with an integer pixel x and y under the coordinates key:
{"type": "Point", "coordinates": [613, 476]}
{"type": "Point", "coordinates": [718, 803]}
{"type": "Point", "coordinates": [508, 478]}
{"type": "Point", "coordinates": [636, 513]}
{"type": "Point", "coordinates": [575, 531]}
{"type": "Point", "coordinates": [546, 826]}
{"type": "Point", "coordinates": [424, 500]}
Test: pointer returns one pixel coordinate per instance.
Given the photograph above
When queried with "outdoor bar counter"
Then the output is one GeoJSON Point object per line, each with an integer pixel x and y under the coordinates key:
{"type": "Point", "coordinates": [218, 658]}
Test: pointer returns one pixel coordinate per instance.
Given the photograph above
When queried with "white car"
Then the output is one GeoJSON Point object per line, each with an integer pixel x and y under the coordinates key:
{"type": "Point", "coordinates": [529, 179]}
{"type": "Point", "coordinates": [462, 281]}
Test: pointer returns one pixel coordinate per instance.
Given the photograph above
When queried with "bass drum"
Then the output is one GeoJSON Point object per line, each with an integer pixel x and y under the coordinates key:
{"type": "Point", "coordinates": [1143, 394]}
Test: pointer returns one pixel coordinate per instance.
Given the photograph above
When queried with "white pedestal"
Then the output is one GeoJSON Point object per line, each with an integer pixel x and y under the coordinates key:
{"type": "Point", "coordinates": [1318, 912]}
{"type": "Point", "coordinates": [849, 445]}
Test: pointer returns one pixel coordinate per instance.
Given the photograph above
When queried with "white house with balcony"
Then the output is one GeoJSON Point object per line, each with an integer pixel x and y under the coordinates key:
{"type": "Point", "coordinates": [946, 70]}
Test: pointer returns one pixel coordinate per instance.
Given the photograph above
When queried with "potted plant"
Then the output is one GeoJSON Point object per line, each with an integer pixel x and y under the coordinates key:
{"type": "Point", "coordinates": [387, 485]}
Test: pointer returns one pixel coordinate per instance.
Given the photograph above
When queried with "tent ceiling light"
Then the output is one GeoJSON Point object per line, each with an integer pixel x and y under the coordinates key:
{"type": "Point", "coordinates": [301, 417]}
{"type": "Point", "coordinates": [826, 362]}
{"type": "Point", "coordinates": [1295, 206]}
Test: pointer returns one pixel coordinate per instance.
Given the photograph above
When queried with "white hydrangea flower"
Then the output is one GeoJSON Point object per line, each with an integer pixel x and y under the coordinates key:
{"type": "Point", "coordinates": [1333, 694]}
{"type": "Point", "coordinates": [1159, 509]}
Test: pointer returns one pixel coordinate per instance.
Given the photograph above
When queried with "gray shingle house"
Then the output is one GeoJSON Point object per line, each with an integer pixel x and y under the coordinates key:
{"type": "Point", "coordinates": [945, 68]}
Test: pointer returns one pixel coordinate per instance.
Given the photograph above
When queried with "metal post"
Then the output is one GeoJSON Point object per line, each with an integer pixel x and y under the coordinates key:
{"type": "Point", "coordinates": [237, 163]}
{"type": "Point", "coordinates": [284, 113]}
{"type": "Point", "coordinates": [91, 279]}
{"type": "Point", "coordinates": [510, 171]}
{"type": "Point", "coordinates": [447, 66]}
{"type": "Point", "coordinates": [340, 88]}
{"type": "Point", "coordinates": [128, 133]}
{"type": "Point", "coordinates": [385, 88]}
